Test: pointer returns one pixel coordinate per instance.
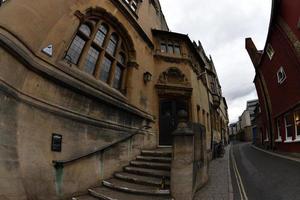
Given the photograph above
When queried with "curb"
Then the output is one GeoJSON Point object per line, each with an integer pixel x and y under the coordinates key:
{"type": "Point", "coordinates": [276, 154]}
{"type": "Point", "coordinates": [230, 189]}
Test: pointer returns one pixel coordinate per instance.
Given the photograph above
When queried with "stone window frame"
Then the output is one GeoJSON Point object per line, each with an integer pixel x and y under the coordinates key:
{"type": "Point", "coordinates": [94, 24]}
{"type": "Point", "coordinates": [130, 4]}
{"type": "Point", "coordinates": [173, 44]}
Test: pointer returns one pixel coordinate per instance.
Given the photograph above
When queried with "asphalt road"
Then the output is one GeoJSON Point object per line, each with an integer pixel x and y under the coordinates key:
{"type": "Point", "coordinates": [263, 176]}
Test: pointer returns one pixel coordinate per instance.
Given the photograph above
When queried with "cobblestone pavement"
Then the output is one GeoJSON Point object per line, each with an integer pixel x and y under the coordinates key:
{"type": "Point", "coordinates": [219, 185]}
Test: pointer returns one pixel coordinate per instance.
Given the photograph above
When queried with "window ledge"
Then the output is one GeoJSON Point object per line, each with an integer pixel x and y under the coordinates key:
{"type": "Point", "coordinates": [296, 140]}
{"type": "Point", "coordinates": [278, 140]}
{"type": "Point", "coordinates": [289, 141]}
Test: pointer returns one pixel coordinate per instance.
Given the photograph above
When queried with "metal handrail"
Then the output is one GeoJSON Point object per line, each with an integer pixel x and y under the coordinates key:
{"type": "Point", "coordinates": [62, 163]}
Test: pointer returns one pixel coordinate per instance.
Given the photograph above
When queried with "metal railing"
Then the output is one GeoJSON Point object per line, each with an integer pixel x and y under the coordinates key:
{"type": "Point", "coordinates": [61, 163]}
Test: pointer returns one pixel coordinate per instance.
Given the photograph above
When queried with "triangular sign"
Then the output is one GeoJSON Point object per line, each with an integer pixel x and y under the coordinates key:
{"type": "Point", "coordinates": [48, 50]}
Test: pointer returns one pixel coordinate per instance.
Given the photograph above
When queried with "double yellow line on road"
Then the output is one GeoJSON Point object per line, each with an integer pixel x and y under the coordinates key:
{"type": "Point", "coordinates": [238, 177]}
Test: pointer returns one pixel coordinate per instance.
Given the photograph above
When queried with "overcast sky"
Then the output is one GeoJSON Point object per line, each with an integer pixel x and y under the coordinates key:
{"type": "Point", "coordinates": [222, 26]}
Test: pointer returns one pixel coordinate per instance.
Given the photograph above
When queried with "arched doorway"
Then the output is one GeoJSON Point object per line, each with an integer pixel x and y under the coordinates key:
{"type": "Point", "coordinates": [174, 93]}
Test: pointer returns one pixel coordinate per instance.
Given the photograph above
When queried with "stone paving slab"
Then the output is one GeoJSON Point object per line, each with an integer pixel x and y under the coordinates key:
{"type": "Point", "coordinates": [219, 185]}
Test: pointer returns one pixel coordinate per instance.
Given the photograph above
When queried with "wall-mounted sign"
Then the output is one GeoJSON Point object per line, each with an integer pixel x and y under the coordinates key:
{"type": "Point", "coordinates": [56, 142]}
{"type": "Point", "coordinates": [48, 50]}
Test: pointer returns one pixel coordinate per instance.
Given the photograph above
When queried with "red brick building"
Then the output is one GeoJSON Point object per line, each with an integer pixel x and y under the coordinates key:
{"type": "Point", "coordinates": [277, 78]}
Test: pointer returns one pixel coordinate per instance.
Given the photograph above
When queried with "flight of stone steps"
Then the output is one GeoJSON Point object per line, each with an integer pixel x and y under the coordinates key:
{"type": "Point", "coordinates": [146, 178]}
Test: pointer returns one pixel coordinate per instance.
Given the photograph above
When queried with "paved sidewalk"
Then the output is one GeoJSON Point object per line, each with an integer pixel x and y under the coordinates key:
{"type": "Point", "coordinates": [287, 156]}
{"type": "Point", "coordinates": [219, 185]}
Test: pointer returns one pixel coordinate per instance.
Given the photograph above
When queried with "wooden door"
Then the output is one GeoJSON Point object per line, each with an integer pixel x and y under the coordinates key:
{"type": "Point", "coordinates": [168, 119]}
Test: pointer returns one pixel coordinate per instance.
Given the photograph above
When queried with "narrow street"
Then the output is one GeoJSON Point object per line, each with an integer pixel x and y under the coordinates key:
{"type": "Point", "coordinates": [261, 176]}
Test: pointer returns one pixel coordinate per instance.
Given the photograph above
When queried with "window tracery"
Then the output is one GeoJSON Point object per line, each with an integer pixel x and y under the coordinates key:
{"type": "Point", "coordinates": [98, 49]}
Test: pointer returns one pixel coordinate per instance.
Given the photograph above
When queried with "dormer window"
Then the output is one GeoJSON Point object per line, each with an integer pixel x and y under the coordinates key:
{"type": "Point", "coordinates": [270, 51]}
{"type": "Point", "coordinates": [281, 76]}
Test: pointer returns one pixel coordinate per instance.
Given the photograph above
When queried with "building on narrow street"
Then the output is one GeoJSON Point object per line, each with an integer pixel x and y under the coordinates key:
{"type": "Point", "coordinates": [85, 86]}
{"type": "Point", "coordinates": [277, 69]}
{"type": "Point", "coordinates": [245, 128]}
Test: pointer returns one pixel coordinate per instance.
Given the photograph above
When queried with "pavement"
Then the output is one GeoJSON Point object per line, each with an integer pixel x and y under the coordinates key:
{"type": "Point", "coordinates": [288, 156]}
{"type": "Point", "coordinates": [219, 185]}
{"type": "Point", "coordinates": [264, 175]}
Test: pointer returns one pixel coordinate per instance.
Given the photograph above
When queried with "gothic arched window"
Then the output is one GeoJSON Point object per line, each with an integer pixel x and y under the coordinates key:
{"type": "Point", "coordinates": [99, 50]}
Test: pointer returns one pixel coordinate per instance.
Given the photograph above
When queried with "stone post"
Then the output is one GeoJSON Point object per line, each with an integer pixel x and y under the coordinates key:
{"type": "Point", "coordinates": [182, 161]}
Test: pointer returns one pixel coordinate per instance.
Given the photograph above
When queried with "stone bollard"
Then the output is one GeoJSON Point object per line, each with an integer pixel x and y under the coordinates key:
{"type": "Point", "coordinates": [182, 161]}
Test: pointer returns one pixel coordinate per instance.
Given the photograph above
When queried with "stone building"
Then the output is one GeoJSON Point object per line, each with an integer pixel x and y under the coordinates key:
{"type": "Point", "coordinates": [277, 69]}
{"type": "Point", "coordinates": [86, 86]}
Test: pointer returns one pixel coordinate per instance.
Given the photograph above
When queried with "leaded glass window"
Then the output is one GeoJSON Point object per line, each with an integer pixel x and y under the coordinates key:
{"type": "Point", "coordinates": [75, 50]}
{"type": "Point", "coordinates": [118, 77]}
{"type": "Point", "coordinates": [105, 69]}
{"type": "Point", "coordinates": [101, 34]}
{"type": "Point", "coordinates": [112, 44]}
{"type": "Point", "coordinates": [93, 50]}
{"type": "Point", "coordinates": [91, 60]}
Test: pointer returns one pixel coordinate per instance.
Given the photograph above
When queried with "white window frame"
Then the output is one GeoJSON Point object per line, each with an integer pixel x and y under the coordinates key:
{"type": "Point", "coordinates": [278, 126]}
{"type": "Point", "coordinates": [295, 123]}
{"type": "Point", "coordinates": [267, 136]}
{"type": "Point", "coordinates": [287, 139]}
{"type": "Point", "coordinates": [280, 80]}
{"type": "Point", "coordinates": [270, 51]}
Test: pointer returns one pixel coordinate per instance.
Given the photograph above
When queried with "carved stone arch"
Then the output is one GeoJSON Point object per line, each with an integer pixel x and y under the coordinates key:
{"type": "Point", "coordinates": [173, 75]}
{"type": "Point", "coordinates": [100, 13]}
{"type": "Point", "coordinates": [173, 82]}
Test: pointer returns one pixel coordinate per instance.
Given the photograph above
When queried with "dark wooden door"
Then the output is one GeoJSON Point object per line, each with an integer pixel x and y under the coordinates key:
{"type": "Point", "coordinates": [168, 119]}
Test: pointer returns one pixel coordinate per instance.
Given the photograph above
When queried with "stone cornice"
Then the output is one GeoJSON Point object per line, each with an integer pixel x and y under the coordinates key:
{"type": "Point", "coordinates": [58, 110]}
{"type": "Point", "coordinates": [54, 73]}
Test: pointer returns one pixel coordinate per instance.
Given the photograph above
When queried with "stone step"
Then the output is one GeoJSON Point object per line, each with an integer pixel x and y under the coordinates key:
{"type": "Point", "coordinates": [85, 197]}
{"type": "Point", "coordinates": [134, 188]}
{"type": "Point", "coordinates": [147, 172]}
{"type": "Point", "coordinates": [105, 193]}
{"type": "Point", "coordinates": [157, 153]}
{"type": "Point", "coordinates": [154, 159]}
{"type": "Point", "coordinates": [145, 180]}
{"type": "Point", "coordinates": [151, 165]}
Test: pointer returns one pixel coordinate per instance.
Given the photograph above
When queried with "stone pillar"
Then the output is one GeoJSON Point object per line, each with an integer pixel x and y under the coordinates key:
{"type": "Point", "coordinates": [182, 162]}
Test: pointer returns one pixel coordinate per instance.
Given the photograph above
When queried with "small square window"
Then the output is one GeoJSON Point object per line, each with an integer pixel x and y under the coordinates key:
{"type": "Point", "coordinates": [270, 51]}
{"type": "Point", "coordinates": [170, 48]}
{"type": "Point", "coordinates": [281, 76]}
{"type": "Point", "coordinates": [177, 49]}
{"type": "Point", "coordinates": [163, 48]}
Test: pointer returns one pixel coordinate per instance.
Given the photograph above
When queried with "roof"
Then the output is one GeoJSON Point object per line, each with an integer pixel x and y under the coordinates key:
{"type": "Point", "coordinates": [183, 37]}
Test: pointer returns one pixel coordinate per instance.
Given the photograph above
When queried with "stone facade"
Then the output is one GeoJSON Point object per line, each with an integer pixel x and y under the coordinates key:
{"type": "Point", "coordinates": [43, 90]}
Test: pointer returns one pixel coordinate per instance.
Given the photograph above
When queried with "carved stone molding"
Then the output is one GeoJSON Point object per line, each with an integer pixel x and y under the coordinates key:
{"type": "Point", "coordinates": [173, 76]}
{"type": "Point", "coordinates": [173, 82]}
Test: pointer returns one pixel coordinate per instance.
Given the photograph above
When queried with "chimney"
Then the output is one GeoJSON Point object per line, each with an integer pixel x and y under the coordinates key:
{"type": "Point", "coordinates": [252, 51]}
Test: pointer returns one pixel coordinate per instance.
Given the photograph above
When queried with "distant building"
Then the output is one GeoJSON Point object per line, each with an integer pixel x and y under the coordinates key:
{"type": "Point", "coordinates": [277, 78]}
